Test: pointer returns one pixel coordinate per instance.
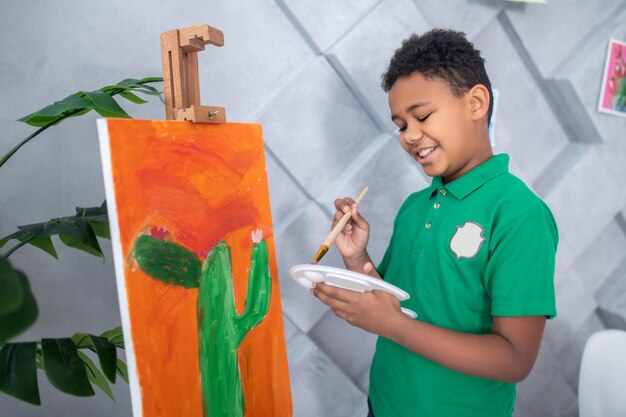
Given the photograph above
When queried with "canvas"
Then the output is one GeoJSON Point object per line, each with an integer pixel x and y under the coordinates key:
{"type": "Point", "coordinates": [195, 266]}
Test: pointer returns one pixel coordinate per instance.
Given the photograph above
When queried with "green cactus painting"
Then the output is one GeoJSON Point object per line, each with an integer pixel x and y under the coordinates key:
{"type": "Point", "coordinates": [220, 329]}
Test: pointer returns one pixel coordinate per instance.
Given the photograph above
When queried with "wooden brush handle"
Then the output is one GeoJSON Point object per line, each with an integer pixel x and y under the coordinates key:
{"type": "Point", "coordinates": [342, 222]}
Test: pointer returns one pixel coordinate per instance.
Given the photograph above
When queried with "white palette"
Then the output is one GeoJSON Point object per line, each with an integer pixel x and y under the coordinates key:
{"type": "Point", "coordinates": [307, 274]}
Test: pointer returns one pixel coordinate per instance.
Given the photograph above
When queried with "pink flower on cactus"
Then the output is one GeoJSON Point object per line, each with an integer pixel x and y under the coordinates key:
{"type": "Point", "coordinates": [257, 235]}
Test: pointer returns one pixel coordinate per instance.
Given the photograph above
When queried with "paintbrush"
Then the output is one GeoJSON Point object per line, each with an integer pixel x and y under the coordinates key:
{"type": "Point", "coordinates": [336, 230]}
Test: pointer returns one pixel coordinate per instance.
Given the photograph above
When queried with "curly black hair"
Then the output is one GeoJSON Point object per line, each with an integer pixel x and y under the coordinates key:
{"type": "Point", "coordinates": [445, 54]}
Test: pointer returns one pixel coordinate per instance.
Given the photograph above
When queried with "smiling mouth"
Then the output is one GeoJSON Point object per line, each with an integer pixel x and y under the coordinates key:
{"type": "Point", "coordinates": [423, 154]}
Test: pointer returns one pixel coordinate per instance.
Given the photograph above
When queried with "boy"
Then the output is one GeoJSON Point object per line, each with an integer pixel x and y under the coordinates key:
{"type": "Point", "coordinates": [475, 250]}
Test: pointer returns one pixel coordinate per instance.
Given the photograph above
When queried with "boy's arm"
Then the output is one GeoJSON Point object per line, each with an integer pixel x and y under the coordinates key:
{"type": "Point", "coordinates": [507, 354]}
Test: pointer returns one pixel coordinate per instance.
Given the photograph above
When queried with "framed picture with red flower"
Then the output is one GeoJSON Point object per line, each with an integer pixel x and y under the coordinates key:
{"type": "Point", "coordinates": [613, 90]}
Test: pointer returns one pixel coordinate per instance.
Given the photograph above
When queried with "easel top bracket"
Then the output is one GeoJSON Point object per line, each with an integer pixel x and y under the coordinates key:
{"type": "Point", "coordinates": [181, 82]}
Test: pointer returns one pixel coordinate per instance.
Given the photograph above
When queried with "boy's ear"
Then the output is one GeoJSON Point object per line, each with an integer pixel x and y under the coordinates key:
{"type": "Point", "coordinates": [478, 97]}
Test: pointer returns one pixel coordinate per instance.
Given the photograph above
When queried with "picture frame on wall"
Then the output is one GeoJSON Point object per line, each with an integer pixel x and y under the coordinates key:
{"type": "Point", "coordinates": [613, 88]}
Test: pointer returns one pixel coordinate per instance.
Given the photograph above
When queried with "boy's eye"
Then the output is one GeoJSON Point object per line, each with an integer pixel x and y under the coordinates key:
{"type": "Point", "coordinates": [423, 119]}
{"type": "Point", "coordinates": [402, 129]}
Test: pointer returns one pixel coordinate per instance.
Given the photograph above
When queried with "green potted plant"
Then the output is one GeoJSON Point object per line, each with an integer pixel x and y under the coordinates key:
{"type": "Point", "coordinates": [69, 362]}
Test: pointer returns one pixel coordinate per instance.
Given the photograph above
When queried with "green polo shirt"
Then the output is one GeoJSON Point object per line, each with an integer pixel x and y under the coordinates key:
{"type": "Point", "coordinates": [480, 246]}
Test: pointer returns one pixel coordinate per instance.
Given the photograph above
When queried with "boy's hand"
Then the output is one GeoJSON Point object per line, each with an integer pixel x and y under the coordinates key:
{"type": "Point", "coordinates": [376, 312]}
{"type": "Point", "coordinates": [352, 241]}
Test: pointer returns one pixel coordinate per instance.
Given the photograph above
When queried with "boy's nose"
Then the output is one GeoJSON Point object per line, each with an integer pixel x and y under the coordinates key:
{"type": "Point", "coordinates": [413, 135]}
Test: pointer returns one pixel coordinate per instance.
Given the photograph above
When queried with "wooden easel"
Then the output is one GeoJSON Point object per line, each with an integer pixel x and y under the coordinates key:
{"type": "Point", "coordinates": [181, 83]}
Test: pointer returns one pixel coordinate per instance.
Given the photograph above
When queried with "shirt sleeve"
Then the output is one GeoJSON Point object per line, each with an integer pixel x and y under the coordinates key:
{"type": "Point", "coordinates": [519, 275]}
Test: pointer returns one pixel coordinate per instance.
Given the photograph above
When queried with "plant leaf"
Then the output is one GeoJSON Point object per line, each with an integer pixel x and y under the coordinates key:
{"type": "Point", "coordinates": [81, 103]}
{"type": "Point", "coordinates": [81, 340]}
{"type": "Point", "coordinates": [122, 370]}
{"type": "Point", "coordinates": [129, 81]}
{"type": "Point", "coordinates": [110, 334]}
{"type": "Point", "coordinates": [95, 376]}
{"type": "Point", "coordinates": [84, 226]}
{"type": "Point", "coordinates": [64, 368]}
{"type": "Point", "coordinates": [18, 373]}
{"type": "Point", "coordinates": [45, 244]}
{"type": "Point", "coordinates": [71, 104]}
{"type": "Point", "coordinates": [80, 234]}
{"type": "Point", "coordinates": [107, 354]}
{"type": "Point", "coordinates": [145, 89]}
{"type": "Point", "coordinates": [115, 336]}
{"type": "Point", "coordinates": [151, 80]}
{"type": "Point", "coordinates": [100, 229]}
{"type": "Point", "coordinates": [141, 86]}
{"type": "Point", "coordinates": [134, 88]}
{"type": "Point", "coordinates": [115, 89]}
{"type": "Point", "coordinates": [11, 294]}
{"type": "Point", "coordinates": [105, 105]}
{"type": "Point", "coordinates": [82, 237]}
{"type": "Point", "coordinates": [76, 104]}
{"type": "Point", "coordinates": [97, 219]}
{"type": "Point", "coordinates": [167, 261]}
{"type": "Point", "coordinates": [21, 319]}
{"type": "Point", "coordinates": [19, 235]}
{"type": "Point", "coordinates": [94, 213]}
{"type": "Point", "coordinates": [118, 341]}
{"type": "Point", "coordinates": [132, 97]}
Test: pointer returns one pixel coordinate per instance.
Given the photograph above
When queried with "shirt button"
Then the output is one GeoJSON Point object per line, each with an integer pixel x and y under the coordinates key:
{"type": "Point", "coordinates": [443, 191]}
{"type": "Point", "coordinates": [427, 225]}
{"type": "Point", "coordinates": [437, 205]}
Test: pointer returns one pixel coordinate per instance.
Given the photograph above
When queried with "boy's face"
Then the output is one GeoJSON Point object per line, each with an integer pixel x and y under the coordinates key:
{"type": "Point", "coordinates": [430, 116]}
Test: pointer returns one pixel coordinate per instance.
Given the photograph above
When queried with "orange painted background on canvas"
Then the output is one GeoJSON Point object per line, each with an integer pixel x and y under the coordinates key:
{"type": "Point", "coordinates": [202, 183]}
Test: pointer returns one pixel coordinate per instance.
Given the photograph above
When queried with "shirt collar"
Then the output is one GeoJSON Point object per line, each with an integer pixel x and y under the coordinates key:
{"type": "Point", "coordinates": [477, 176]}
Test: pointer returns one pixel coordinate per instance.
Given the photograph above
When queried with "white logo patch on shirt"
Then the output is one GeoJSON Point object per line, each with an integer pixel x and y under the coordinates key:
{"type": "Point", "coordinates": [467, 240]}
